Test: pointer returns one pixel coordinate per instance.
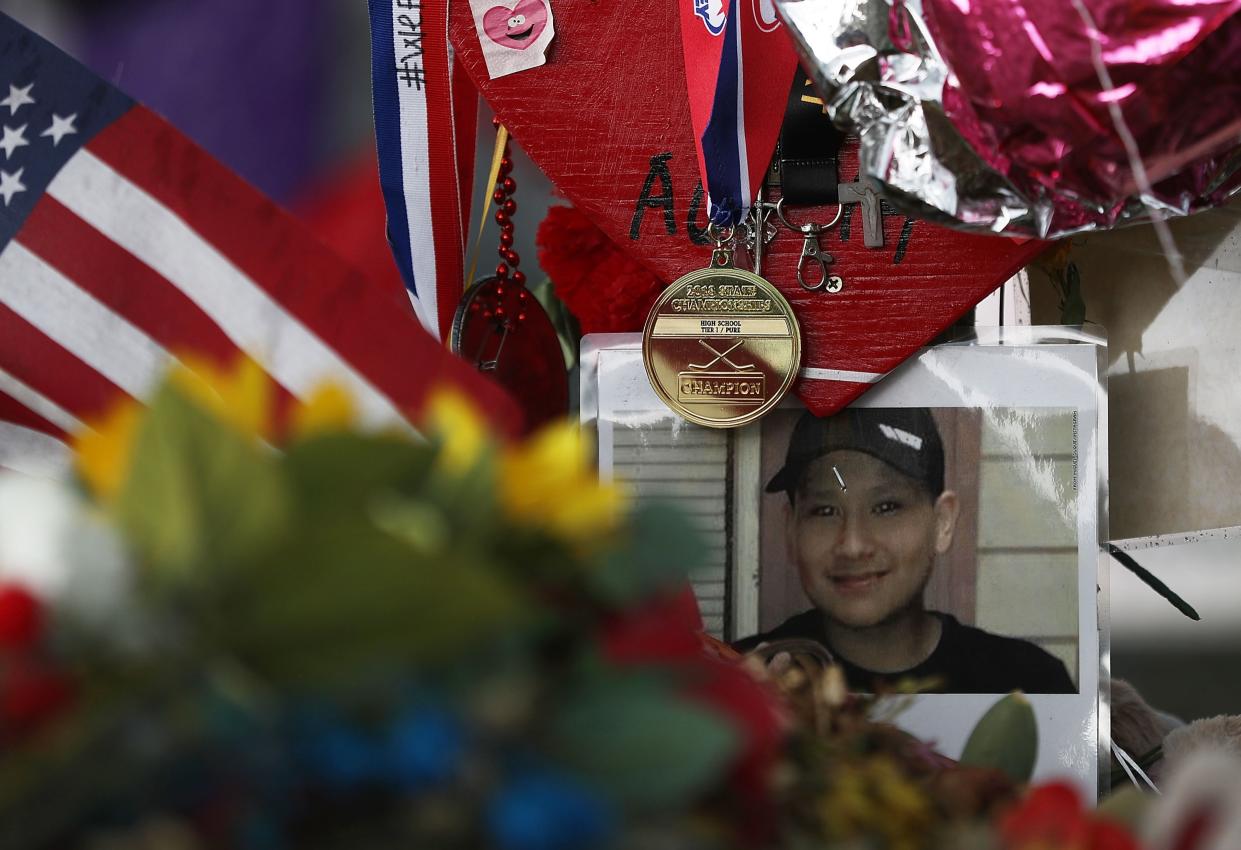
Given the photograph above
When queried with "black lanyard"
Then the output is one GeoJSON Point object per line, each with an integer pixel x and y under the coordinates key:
{"type": "Point", "coordinates": [809, 144]}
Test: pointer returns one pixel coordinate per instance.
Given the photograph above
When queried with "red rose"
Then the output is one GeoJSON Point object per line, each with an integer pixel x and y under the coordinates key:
{"type": "Point", "coordinates": [605, 288]}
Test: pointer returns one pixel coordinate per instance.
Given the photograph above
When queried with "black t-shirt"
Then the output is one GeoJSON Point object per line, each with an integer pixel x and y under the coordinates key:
{"type": "Point", "coordinates": [966, 660]}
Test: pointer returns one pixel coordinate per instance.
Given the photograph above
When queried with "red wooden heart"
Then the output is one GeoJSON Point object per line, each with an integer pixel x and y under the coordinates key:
{"type": "Point", "coordinates": [607, 120]}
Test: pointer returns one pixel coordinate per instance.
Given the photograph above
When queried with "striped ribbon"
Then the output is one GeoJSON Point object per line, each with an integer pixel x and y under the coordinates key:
{"type": "Point", "coordinates": [753, 69]}
{"type": "Point", "coordinates": [425, 122]}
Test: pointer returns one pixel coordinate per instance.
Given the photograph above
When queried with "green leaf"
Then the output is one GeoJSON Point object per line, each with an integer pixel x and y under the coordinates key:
{"type": "Point", "coordinates": [663, 547]}
{"type": "Point", "coordinates": [1006, 738]}
{"type": "Point", "coordinates": [200, 496]}
{"type": "Point", "coordinates": [340, 473]}
{"type": "Point", "coordinates": [562, 320]}
{"type": "Point", "coordinates": [343, 594]}
{"type": "Point", "coordinates": [642, 743]}
{"type": "Point", "coordinates": [392, 481]}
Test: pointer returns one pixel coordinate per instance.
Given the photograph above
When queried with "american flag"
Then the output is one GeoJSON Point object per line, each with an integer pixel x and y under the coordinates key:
{"type": "Point", "coordinates": [123, 245]}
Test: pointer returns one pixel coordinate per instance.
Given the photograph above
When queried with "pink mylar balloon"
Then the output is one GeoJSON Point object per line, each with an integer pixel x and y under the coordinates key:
{"type": "Point", "coordinates": [1033, 117]}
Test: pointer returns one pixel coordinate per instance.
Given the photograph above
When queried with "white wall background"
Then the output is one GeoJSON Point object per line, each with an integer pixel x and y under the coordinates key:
{"type": "Point", "coordinates": [1174, 372]}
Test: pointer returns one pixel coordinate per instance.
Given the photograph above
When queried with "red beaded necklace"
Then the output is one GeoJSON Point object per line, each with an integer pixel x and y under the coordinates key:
{"type": "Point", "coordinates": [503, 330]}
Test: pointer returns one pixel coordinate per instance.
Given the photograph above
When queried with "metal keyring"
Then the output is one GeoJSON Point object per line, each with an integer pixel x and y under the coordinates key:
{"type": "Point", "coordinates": [722, 253]}
{"type": "Point", "coordinates": [810, 227]}
{"type": "Point", "coordinates": [812, 254]}
{"type": "Point", "coordinates": [714, 232]}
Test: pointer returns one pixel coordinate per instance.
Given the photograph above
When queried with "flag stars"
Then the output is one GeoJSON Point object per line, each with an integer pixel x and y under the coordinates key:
{"type": "Point", "coordinates": [11, 184]}
{"type": "Point", "coordinates": [60, 128]}
{"type": "Point", "coordinates": [17, 98]}
{"type": "Point", "coordinates": [13, 139]}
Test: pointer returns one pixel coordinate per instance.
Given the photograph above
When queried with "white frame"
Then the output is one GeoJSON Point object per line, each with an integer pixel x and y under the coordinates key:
{"type": "Point", "coordinates": [1000, 368]}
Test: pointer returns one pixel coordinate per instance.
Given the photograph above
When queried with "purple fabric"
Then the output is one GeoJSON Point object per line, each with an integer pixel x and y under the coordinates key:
{"type": "Point", "coordinates": [247, 80]}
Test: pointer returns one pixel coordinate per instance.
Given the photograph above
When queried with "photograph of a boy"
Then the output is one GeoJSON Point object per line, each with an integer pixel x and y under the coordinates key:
{"type": "Point", "coordinates": [866, 513]}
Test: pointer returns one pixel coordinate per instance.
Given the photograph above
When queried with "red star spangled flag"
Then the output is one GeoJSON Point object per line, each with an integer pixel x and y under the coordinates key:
{"type": "Point", "coordinates": [123, 246]}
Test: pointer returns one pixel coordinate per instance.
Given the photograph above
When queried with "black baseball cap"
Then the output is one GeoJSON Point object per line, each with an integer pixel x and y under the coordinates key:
{"type": "Point", "coordinates": [905, 438]}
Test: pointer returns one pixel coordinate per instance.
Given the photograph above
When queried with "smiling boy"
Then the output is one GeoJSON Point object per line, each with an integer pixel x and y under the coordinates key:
{"type": "Point", "coordinates": [867, 515]}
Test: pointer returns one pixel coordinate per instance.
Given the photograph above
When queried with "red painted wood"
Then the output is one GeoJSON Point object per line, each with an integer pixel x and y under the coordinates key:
{"type": "Point", "coordinates": [611, 99]}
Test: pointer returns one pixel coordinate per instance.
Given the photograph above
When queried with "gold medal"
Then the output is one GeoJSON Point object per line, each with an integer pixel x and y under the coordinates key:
{"type": "Point", "coordinates": [721, 345]}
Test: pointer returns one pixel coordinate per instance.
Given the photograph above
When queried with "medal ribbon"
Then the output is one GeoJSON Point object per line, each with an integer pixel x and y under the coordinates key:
{"type": "Point", "coordinates": [739, 63]}
{"type": "Point", "coordinates": [425, 120]}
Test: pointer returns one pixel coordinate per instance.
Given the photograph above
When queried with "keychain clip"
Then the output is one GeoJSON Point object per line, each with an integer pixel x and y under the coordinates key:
{"type": "Point", "coordinates": [811, 254]}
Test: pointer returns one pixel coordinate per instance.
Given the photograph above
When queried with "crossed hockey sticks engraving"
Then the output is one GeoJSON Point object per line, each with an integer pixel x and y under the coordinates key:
{"type": "Point", "coordinates": [722, 356]}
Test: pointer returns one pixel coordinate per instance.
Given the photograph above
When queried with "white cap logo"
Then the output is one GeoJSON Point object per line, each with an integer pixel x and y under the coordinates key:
{"type": "Point", "coordinates": [901, 436]}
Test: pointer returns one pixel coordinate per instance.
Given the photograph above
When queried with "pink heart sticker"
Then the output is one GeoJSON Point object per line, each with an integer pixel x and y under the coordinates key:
{"type": "Point", "coordinates": [517, 27]}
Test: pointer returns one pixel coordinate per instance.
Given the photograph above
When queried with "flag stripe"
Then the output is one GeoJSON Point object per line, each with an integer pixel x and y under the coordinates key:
{"type": "Point", "coordinates": [32, 452]}
{"type": "Point", "coordinates": [51, 371]}
{"type": "Point", "coordinates": [367, 322]}
{"type": "Point", "coordinates": [123, 283]}
{"type": "Point", "coordinates": [41, 412]}
{"type": "Point", "coordinates": [79, 323]}
{"type": "Point", "coordinates": [14, 411]}
{"type": "Point", "coordinates": [131, 288]}
{"type": "Point", "coordinates": [251, 318]}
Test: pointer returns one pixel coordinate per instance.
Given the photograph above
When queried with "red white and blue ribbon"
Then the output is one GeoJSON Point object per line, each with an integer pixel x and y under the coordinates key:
{"type": "Point", "coordinates": [739, 65]}
{"type": "Point", "coordinates": [425, 118]}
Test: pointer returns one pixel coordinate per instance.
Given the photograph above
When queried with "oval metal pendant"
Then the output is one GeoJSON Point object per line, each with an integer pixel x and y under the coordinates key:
{"type": "Point", "coordinates": [501, 328]}
{"type": "Point", "coordinates": [721, 347]}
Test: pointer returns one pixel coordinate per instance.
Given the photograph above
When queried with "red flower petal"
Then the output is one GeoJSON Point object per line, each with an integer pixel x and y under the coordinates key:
{"type": "Point", "coordinates": [669, 630]}
{"type": "Point", "coordinates": [32, 695]}
{"type": "Point", "coordinates": [602, 285]}
{"type": "Point", "coordinates": [665, 628]}
{"type": "Point", "coordinates": [1051, 814]}
{"type": "Point", "coordinates": [1112, 836]}
{"type": "Point", "coordinates": [21, 617]}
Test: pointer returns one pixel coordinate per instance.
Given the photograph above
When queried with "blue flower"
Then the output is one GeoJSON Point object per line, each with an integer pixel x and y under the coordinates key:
{"type": "Point", "coordinates": [546, 812]}
{"type": "Point", "coordinates": [343, 758]}
{"type": "Point", "coordinates": [425, 748]}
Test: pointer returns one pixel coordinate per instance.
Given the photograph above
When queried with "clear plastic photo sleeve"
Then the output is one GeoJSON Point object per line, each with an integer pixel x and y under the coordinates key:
{"type": "Point", "coordinates": [948, 527]}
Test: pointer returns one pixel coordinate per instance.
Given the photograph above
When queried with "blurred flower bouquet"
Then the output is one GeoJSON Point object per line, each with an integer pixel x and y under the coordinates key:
{"type": "Point", "coordinates": [436, 640]}
{"type": "Point", "coordinates": [357, 640]}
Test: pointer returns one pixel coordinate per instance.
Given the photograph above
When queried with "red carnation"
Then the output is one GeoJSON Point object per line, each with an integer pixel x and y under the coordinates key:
{"type": "Point", "coordinates": [1052, 815]}
{"type": "Point", "coordinates": [606, 289]}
